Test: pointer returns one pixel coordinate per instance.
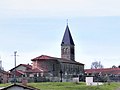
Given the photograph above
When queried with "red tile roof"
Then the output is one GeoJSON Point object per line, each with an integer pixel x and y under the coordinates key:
{"type": "Point", "coordinates": [18, 73]}
{"type": "Point", "coordinates": [27, 65]}
{"type": "Point", "coordinates": [104, 70]}
{"type": "Point", "coordinates": [43, 57]}
{"type": "Point", "coordinates": [62, 60]}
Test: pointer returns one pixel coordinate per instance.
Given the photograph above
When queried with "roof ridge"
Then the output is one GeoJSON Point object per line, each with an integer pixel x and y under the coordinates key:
{"type": "Point", "coordinates": [43, 57]}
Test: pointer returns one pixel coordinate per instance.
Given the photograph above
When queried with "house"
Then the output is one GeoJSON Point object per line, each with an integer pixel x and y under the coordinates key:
{"type": "Point", "coordinates": [64, 68]}
{"type": "Point", "coordinates": [19, 71]}
{"type": "Point", "coordinates": [103, 74]}
{"type": "Point", "coordinates": [4, 76]}
{"type": "Point", "coordinates": [35, 75]}
{"type": "Point", "coordinates": [19, 87]}
{"type": "Point", "coordinates": [103, 71]}
{"type": "Point", "coordinates": [25, 70]}
{"type": "Point", "coordinates": [21, 67]}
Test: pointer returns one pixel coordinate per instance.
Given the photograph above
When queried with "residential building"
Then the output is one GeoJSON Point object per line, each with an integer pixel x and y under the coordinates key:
{"type": "Point", "coordinates": [4, 76]}
{"type": "Point", "coordinates": [19, 72]}
{"type": "Point", "coordinates": [104, 74]}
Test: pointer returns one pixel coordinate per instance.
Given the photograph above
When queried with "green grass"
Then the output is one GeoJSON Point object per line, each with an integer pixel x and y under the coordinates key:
{"type": "Point", "coordinates": [73, 86]}
{"type": "Point", "coordinates": [70, 86]}
{"type": "Point", "coordinates": [4, 85]}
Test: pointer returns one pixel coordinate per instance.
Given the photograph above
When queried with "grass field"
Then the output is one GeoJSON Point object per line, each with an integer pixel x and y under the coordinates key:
{"type": "Point", "coordinates": [70, 86]}
{"type": "Point", "coordinates": [73, 86]}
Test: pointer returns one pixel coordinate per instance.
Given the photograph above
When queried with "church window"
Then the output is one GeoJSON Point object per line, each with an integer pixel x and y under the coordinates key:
{"type": "Point", "coordinates": [67, 51]}
{"type": "Point", "coordinates": [53, 67]}
{"type": "Point", "coordinates": [64, 50]}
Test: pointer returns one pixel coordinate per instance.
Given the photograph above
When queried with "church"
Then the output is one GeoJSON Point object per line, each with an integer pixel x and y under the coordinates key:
{"type": "Point", "coordinates": [60, 69]}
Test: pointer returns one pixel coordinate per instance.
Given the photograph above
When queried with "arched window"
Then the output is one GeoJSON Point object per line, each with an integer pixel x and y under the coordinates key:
{"type": "Point", "coordinates": [66, 51]}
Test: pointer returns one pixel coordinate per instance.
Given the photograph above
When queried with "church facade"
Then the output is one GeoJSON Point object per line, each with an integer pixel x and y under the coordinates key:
{"type": "Point", "coordinates": [59, 69]}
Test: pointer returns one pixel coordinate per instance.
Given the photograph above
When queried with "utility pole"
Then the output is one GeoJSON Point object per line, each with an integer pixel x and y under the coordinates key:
{"type": "Point", "coordinates": [15, 67]}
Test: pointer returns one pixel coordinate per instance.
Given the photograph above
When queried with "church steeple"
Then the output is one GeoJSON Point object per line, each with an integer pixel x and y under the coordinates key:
{"type": "Point", "coordinates": [67, 38]}
{"type": "Point", "coordinates": [67, 46]}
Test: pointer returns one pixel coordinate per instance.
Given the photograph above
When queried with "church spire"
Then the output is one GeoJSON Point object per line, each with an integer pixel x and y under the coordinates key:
{"type": "Point", "coordinates": [67, 38]}
{"type": "Point", "coordinates": [67, 46]}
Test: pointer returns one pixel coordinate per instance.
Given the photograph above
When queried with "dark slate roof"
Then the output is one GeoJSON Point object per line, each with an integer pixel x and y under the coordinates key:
{"type": "Point", "coordinates": [62, 60]}
{"type": "Point", "coordinates": [67, 38]}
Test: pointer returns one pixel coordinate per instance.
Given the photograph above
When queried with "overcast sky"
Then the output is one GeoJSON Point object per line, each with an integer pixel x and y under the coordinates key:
{"type": "Point", "coordinates": [36, 27]}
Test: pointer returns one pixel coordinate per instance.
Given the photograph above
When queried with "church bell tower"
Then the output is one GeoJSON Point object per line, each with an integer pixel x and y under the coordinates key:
{"type": "Point", "coordinates": [67, 46]}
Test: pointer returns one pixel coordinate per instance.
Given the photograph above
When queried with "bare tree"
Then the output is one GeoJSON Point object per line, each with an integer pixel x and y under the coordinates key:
{"type": "Point", "coordinates": [119, 66]}
{"type": "Point", "coordinates": [96, 65]}
{"type": "Point", "coordinates": [114, 66]}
